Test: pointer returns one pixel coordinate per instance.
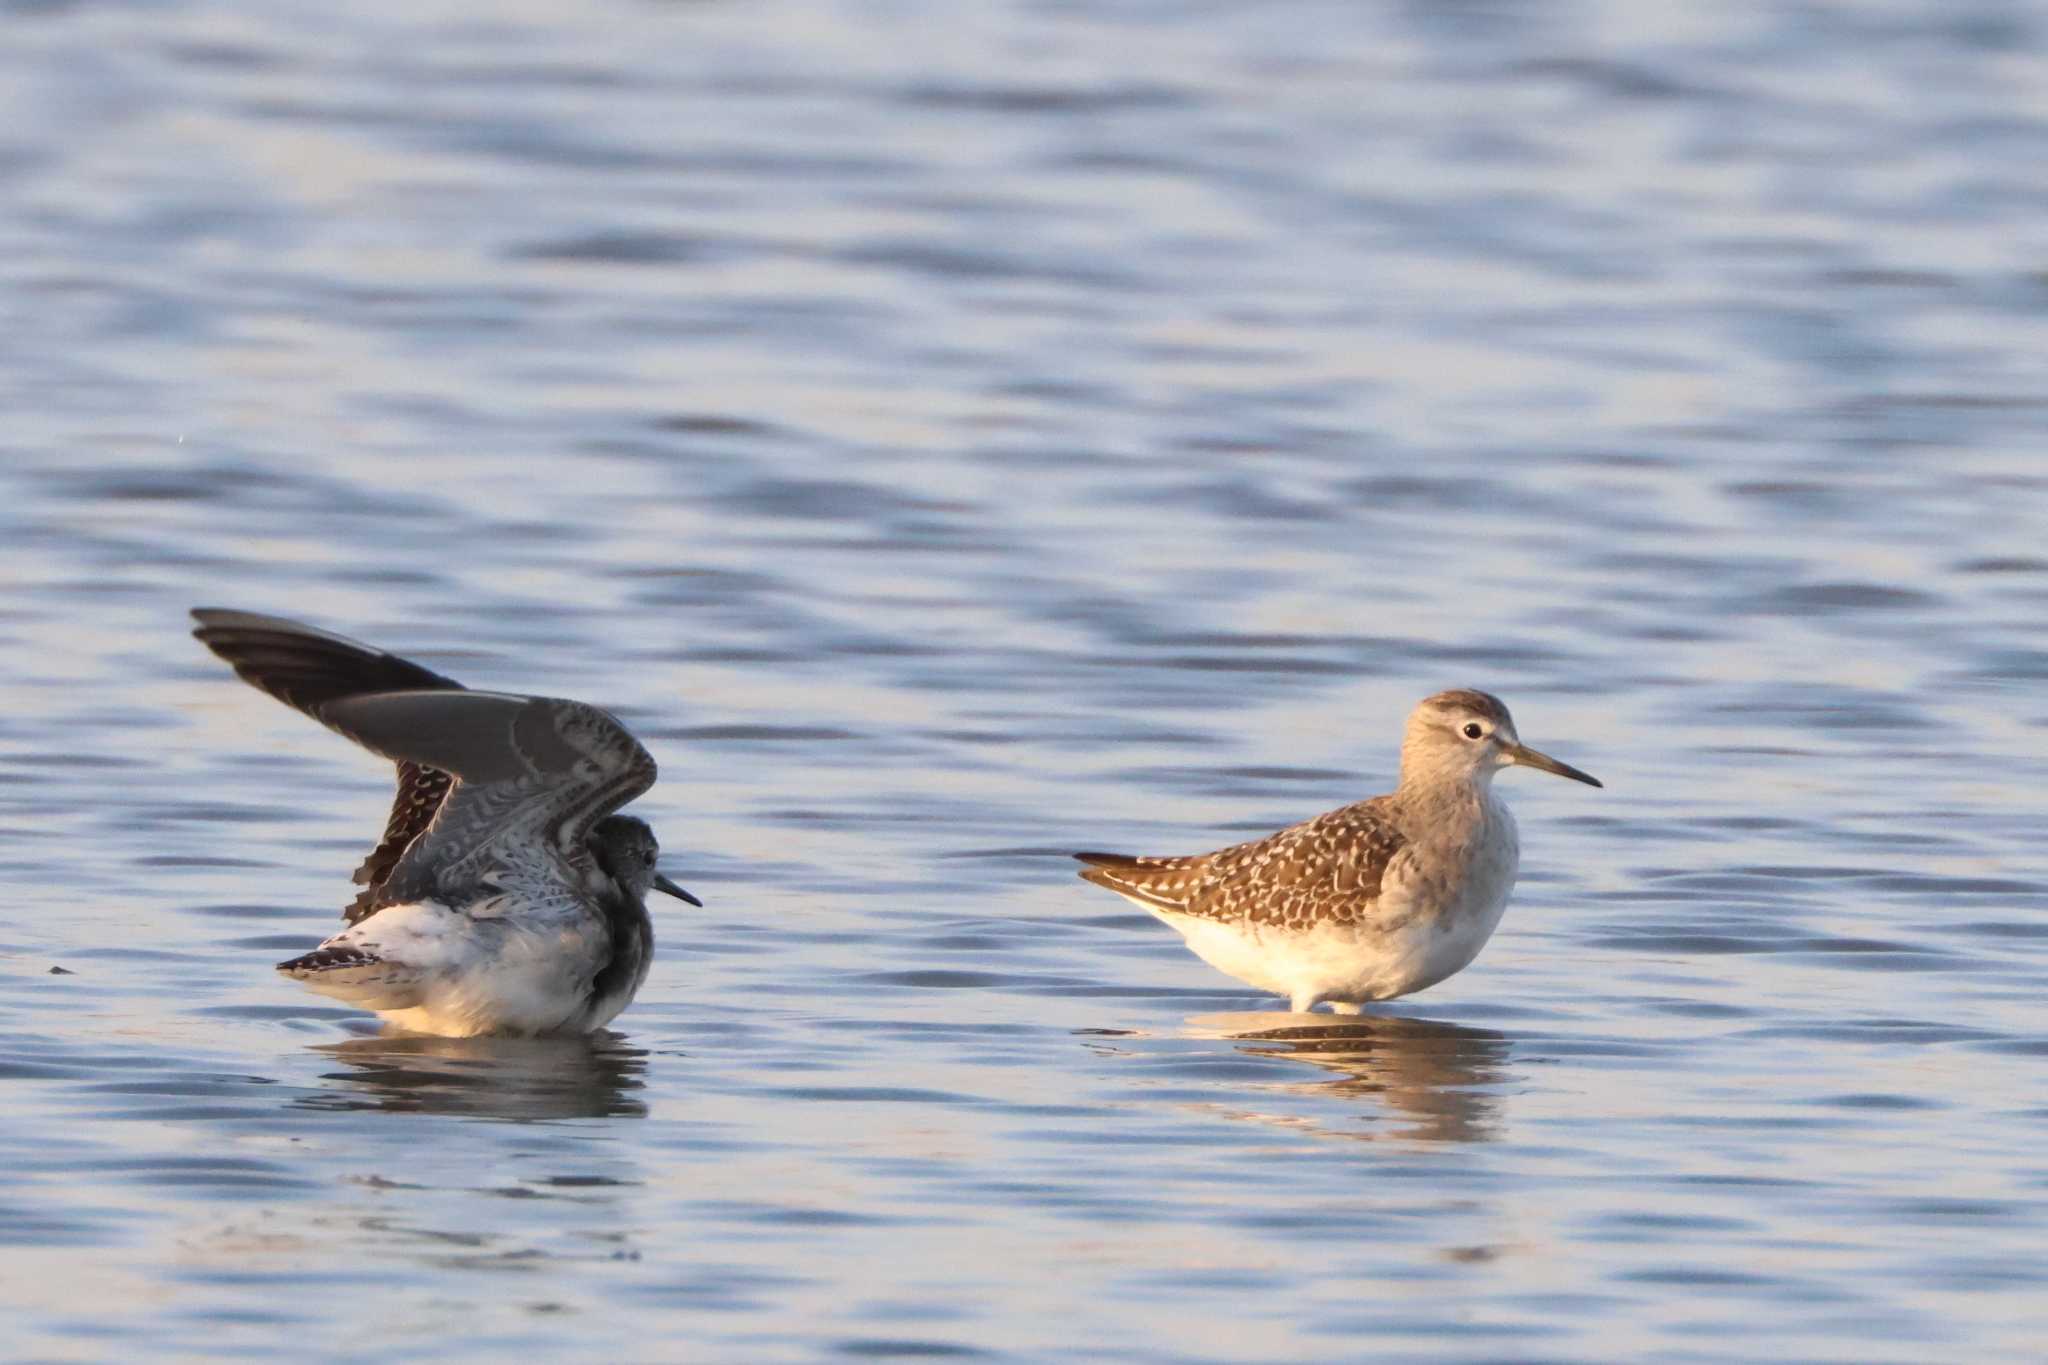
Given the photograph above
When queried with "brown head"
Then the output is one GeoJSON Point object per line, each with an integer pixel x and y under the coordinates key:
{"type": "Point", "coordinates": [1466, 736]}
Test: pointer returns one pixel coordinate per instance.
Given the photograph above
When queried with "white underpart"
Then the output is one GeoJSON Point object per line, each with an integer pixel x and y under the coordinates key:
{"type": "Point", "coordinates": [460, 974]}
{"type": "Point", "coordinates": [1436, 909]}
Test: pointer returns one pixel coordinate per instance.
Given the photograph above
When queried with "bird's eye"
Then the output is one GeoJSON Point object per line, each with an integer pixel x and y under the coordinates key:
{"type": "Point", "coordinates": [1474, 730]}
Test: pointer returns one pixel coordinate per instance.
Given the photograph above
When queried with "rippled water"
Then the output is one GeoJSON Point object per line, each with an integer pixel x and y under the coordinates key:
{"type": "Point", "coordinates": [955, 435]}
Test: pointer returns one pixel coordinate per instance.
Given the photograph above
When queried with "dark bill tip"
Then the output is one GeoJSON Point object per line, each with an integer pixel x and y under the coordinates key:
{"type": "Point", "coordinates": [1530, 758]}
{"type": "Point", "coordinates": [662, 883]}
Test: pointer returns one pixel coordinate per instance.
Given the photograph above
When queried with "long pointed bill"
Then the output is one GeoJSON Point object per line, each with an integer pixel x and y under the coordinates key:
{"type": "Point", "coordinates": [1529, 758]}
{"type": "Point", "coordinates": [662, 883]}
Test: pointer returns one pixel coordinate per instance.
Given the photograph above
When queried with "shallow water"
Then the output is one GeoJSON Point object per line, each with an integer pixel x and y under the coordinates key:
{"type": "Point", "coordinates": [951, 438]}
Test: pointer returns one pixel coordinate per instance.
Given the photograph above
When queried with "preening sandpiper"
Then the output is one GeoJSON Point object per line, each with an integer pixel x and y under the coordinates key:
{"type": "Point", "coordinates": [1372, 900]}
{"type": "Point", "coordinates": [505, 896]}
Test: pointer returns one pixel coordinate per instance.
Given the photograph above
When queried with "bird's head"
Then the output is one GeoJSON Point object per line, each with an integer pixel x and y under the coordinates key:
{"type": "Point", "coordinates": [1466, 735]}
{"type": "Point", "coordinates": [626, 849]}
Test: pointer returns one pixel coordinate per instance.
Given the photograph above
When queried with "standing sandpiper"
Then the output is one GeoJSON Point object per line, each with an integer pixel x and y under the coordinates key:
{"type": "Point", "coordinates": [505, 897]}
{"type": "Point", "coordinates": [1369, 901]}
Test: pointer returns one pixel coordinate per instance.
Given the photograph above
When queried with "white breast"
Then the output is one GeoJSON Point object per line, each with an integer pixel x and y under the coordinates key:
{"type": "Point", "coordinates": [1462, 904]}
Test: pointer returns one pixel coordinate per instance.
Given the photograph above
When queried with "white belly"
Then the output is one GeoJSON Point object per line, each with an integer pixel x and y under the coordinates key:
{"type": "Point", "coordinates": [445, 972]}
{"type": "Point", "coordinates": [1348, 963]}
{"type": "Point", "coordinates": [500, 999]}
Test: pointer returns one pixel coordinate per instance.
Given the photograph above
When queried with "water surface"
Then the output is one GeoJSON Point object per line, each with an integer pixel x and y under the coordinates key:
{"type": "Point", "coordinates": [954, 437]}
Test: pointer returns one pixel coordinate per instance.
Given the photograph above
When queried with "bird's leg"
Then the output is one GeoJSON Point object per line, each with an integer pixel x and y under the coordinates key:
{"type": "Point", "coordinates": [1303, 1002]}
{"type": "Point", "coordinates": [1345, 1007]}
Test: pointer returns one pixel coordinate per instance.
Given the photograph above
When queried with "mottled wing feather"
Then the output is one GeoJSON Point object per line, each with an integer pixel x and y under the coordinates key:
{"type": "Point", "coordinates": [532, 775]}
{"type": "Point", "coordinates": [1325, 870]}
{"type": "Point", "coordinates": [420, 793]}
{"type": "Point", "coordinates": [306, 669]}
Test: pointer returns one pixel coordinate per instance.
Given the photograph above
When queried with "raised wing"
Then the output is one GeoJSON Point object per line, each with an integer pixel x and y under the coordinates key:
{"type": "Point", "coordinates": [1326, 869]}
{"type": "Point", "coordinates": [306, 669]}
{"type": "Point", "coordinates": [532, 775]}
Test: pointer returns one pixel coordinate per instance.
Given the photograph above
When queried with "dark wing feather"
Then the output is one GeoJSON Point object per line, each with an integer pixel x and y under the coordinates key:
{"type": "Point", "coordinates": [532, 775]}
{"type": "Point", "coordinates": [306, 669]}
{"type": "Point", "coordinates": [1326, 869]}
{"type": "Point", "coordinates": [420, 793]}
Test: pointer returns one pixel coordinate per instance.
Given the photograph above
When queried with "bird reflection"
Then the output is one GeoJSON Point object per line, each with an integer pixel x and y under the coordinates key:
{"type": "Point", "coordinates": [1437, 1076]}
{"type": "Point", "coordinates": [593, 1076]}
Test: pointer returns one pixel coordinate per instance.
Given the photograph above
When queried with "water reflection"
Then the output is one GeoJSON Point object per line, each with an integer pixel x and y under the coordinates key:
{"type": "Point", "coordinates": [503, 1078]}
{"type": "Point", "coordinates": [1442, 1077]}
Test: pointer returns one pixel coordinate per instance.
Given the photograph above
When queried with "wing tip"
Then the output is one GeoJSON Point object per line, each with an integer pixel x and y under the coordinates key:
{"type": "Point", "coordinates": [209, 622]}
{"type": "Point", "coordinates": [1123, 873]}
{"type": "Point", "coordinates": [233, 618]}
{"type": "Point", "coordinates": [1104, 859]}
{"type": "Point", "coordinates": [1102, 868]}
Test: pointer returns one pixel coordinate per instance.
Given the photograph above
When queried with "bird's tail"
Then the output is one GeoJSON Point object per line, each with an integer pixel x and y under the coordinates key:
{"type": "Point", "coordinates": [357, 978]}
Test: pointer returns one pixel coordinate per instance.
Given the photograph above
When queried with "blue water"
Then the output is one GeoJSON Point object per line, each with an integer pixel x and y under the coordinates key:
{"type": "Point", "coordinates": [951, 436]}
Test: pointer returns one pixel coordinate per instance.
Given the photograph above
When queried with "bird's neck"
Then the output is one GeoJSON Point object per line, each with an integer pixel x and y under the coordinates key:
{"type": "Point", "coordinates": [1422, 782]}
{"type": "Point", "coordinates": [1435, 803]}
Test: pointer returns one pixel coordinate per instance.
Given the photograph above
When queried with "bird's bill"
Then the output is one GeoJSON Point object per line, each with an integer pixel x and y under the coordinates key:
{"type": "Point", "coordinates": [662, 883]}
{"type": "Point", "coordinates": [1529, 758]}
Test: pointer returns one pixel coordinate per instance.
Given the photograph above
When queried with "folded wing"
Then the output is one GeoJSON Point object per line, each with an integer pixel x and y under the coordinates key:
{"type": "Point", "coordinates": [1328, 869]}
